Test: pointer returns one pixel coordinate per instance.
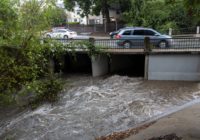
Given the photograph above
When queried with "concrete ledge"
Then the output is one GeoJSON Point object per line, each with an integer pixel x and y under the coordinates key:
{"type": "Point", "coordinates": [181, 67]}
{"type": "Point", "coordinates": [176, 76]}
{"type": "Point", "coordinates": [184, 123]}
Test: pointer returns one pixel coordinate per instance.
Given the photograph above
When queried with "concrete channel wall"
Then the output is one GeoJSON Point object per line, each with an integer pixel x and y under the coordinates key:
{"type": "Point", "coordinates": [184, 67]}
{"type": "Point", "coordinates": [179, 67]}
{"type": "Point", "coordinates": [131, 65]}
{"type": "Point", "coordinates": [100, 65]}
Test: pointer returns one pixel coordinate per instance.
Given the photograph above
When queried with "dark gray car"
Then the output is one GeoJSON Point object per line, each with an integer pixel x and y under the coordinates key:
{"type": "Point", "coordinates": [134, 37]}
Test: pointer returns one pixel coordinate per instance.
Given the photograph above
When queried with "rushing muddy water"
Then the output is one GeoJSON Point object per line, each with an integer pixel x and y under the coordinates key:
{"type": "Point", "coordinates": [96, 107]}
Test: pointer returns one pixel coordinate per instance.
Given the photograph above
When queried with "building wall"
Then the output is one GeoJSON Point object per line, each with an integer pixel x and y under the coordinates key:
{"type": "Point", "coordinates": [114, 14]}
{"type": "Point", "coordinates": [74, 16]}
{"type": "Point", "coordinates": [92, 19]}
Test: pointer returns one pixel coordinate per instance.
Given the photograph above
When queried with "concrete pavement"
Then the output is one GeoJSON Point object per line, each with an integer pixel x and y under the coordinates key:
{"type": "Point", "coordinates": [184, 123]}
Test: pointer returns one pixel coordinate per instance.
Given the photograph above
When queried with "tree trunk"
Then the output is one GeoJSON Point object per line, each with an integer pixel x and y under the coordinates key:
{"type": "Point", "coordinates": [105, 11]}
{"type": "Point", "coordinates": [87, 22]}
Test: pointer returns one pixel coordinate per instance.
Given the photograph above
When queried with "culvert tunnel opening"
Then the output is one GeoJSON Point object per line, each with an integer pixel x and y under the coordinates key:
{"type": "Point", "coordinates": [127, 65]}
{"type": "Point", "coordinates": [78, 63]}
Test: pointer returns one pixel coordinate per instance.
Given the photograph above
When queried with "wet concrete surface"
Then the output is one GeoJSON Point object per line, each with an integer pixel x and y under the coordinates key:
{"type": "Point", "coordinates": [184, 124]}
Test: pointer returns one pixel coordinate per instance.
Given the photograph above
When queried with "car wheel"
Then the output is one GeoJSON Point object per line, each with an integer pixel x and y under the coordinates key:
{"type": "Point", "coordinates": [163, 44]}
{"type": "Point", "coordinates": [65, 37]}
{"type": "Point", "coordinates": [127, 44]}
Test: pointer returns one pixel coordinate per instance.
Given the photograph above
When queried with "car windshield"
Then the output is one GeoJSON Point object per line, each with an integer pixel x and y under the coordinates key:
{"type": "Point", "coordinates": [69, 30]}
{"type": "Point", "coordinates": [120, 30]}
{"type": "Point", "coordinates": [116, 32]}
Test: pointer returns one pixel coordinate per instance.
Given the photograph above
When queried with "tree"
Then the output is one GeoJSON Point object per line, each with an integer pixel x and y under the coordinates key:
{"type": "Point", "coordinates": [97, 6]}
{"type": "Point", "coordinates": [56, 16]}
{"type": "Point", "coordinates": [7, 18]}
{"type": "Point", "coordinates": [159, 14]}
{"type": "Point", "coordinates": [192, 8]}
{"type": "Point", "coordinates": [23, 58]}
{"type": "Point", "coordinates": [137, 9]}
{"type": "Point", "coordinates": [84, 5]}
{"type": "Point", "coordinates": [136, 13]}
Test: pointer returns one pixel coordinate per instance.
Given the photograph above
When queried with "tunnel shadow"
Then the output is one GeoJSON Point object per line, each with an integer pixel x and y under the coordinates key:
{"type": "Point", "coordinates": [120, 64]}
{"type": "Point", "coordinates": [127, 65]}
{"type": "Point", "coordinates": [79, 63]}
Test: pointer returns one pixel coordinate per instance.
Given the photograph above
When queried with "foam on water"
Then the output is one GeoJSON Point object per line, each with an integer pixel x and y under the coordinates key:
{"type": "Point", "coordinates": [93, 108]}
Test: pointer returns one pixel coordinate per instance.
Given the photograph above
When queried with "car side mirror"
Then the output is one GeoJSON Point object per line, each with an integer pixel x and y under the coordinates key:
{"type": "Point", "coordinates": [157, 35]}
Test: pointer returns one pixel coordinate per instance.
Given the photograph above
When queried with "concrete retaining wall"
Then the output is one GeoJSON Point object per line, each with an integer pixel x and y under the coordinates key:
{"type": "Point", "coordinates": [174, 67]}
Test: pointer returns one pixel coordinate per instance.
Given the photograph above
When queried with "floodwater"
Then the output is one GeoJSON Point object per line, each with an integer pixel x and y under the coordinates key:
{"type": "Point", "coordinates": [94, 107]}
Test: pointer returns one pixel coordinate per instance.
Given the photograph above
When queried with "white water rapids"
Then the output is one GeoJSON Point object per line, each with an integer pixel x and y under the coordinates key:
{"type": "Point", "coordinates": [97, 107]}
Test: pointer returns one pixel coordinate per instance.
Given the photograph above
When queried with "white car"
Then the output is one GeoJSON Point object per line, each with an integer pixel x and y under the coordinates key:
{"type": "Point", "coordinates": [61, 33]}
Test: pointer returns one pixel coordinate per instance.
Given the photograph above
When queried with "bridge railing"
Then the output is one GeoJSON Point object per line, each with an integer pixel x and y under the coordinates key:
{"type": "Point", "coordinates": [146, 44]}
{"type": "Point", "coordinates": [120, 44]}
{"type": "Point", "coordinates": [150, 44]}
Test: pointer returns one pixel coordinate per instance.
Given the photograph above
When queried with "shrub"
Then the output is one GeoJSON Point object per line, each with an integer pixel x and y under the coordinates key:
{"type": "Point", "coordinates": [73, 23]}
{"type": "Point", "coordinates": [23, 58]}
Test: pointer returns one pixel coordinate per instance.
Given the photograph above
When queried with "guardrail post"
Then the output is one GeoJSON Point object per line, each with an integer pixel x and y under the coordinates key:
{"type": "Point", "coordinates": [92, 41]}
{"type": "Point", "coordinates": [51, 66]}
{"type": "Point", "coordinates": [147, 49]}
{"type": "Point", "coordinates": [170, 31]}
{"type": "Point", "coordinates": [147, 45]}
{"type": "Point", "coordinates": [197, 30]}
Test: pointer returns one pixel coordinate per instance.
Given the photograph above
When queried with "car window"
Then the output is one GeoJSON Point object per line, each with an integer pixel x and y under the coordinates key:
{"type": "Point", "coordinates": [149, 32]}
{"type": "Point", "coordinates": [61, 31]}
{"type": "Point", "coordinates": [68, 30]}
{"type": "Point", "coordinates": [138, 32]}
{"type": "Point", "coordinates": [128, 32]}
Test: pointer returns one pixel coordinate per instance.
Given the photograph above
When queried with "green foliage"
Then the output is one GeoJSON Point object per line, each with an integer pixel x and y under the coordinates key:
{"type": "Point", "coordinates": [88, 46]}
{"type": "Point", "coordinates": [7, 19]}
{"type": "Point", "coordinates": [98, 6]}
{"type": "Point", "coordinates": [55, 16]}
{"type": "Point", "coordinates": [159, 14]}
{"type": "Point", "coordinates": [6, 99]}
{"type": "Point", "coordinates": [193, 10]}
{"type": "Point", "coordinates": [73, 23]}
{"type": "Point", "coordinates": [46, 90]}
{"type": "Point", "coordinates": [26, 61]}
{"type": "Point", "coordinates": [85, 5]}
{"type": "Point", "coordinates": [69, 4]}
{"type": "Point", "coordinates": [23, 58]}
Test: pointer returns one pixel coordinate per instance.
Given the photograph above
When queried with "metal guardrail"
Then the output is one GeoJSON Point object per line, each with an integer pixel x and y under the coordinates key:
{"type": "Point", "coordinates": [174, 43]}
{"type": "Point", "coordinates": [137, 46]}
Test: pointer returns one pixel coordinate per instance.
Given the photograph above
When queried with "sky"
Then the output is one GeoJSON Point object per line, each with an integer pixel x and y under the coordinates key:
{"type": "Point", "coordinates": [60, 3]}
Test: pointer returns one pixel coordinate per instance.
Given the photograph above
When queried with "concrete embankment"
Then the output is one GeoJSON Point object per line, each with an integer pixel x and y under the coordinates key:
{"type": "Point", "coordinates": [184, 124]}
